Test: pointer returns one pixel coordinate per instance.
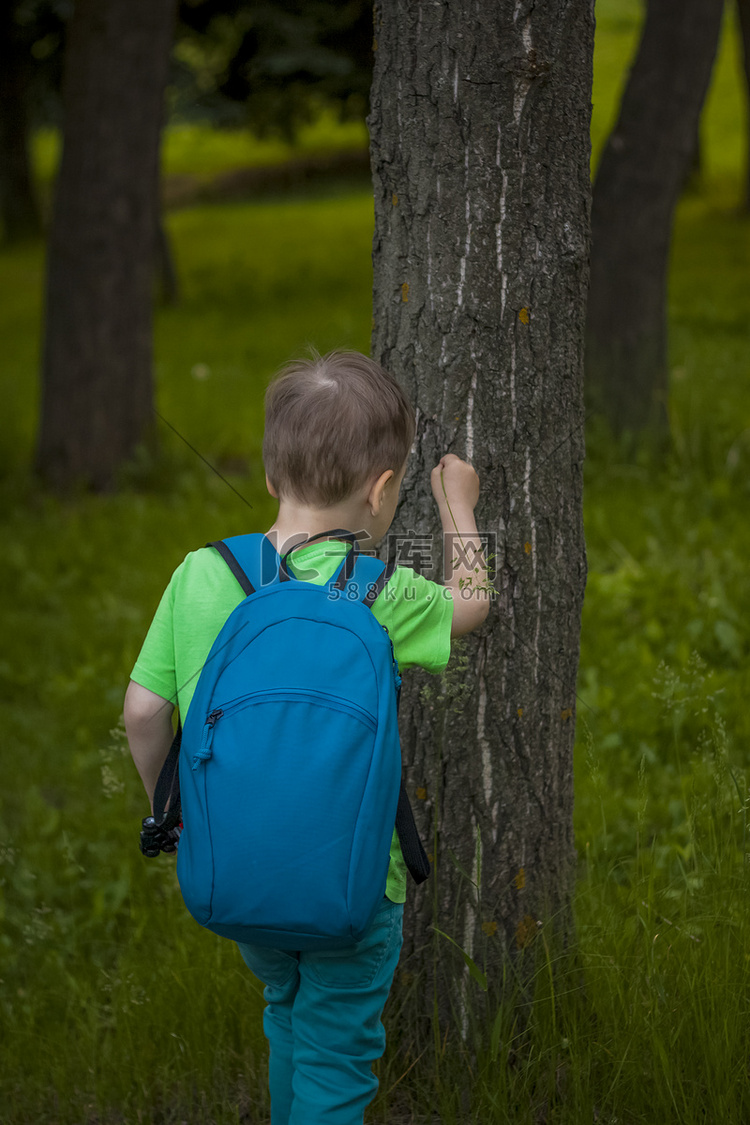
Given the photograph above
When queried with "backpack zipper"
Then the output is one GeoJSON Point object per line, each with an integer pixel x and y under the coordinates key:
{"type": "Point", "coordinates": [396, 673]}
{"type": "Point", "coordinates": [204, 752]}
{"type": "Point", "coordinates": [281, 694]}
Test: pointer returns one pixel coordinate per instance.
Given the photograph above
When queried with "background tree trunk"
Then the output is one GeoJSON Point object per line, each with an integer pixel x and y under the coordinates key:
{"type": "Point", "coordinates": [19, 214]}
{"type": "Point", "coordinates": [642, 171]}
{"type": "Point", "coordinates": [97, 380]}
{"type": "Point", "coordinates": [743, 11]}
{"type": "Point", "coordinates": [480, 151]}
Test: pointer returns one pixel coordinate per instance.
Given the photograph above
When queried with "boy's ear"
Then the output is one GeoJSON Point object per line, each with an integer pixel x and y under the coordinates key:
{"type": "Point", "coordinates": [271, 489]}
{"type": "Point", "coordinates": [377, 491]}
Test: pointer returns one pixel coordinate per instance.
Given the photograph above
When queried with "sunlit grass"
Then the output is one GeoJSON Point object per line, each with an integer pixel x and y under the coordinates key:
{"type": "Point", "coordinates": [198, 151]}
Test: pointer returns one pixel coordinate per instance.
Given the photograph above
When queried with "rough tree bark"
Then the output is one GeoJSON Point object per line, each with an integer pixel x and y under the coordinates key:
{"type": "Point", "coordinates": [642, 171]}
{"type": "Point", "coordinates": [97, 381]}
{"type": "Point", "coordinates": [480, 152]}
{"type": "Point", "coordinates": [19, 213]}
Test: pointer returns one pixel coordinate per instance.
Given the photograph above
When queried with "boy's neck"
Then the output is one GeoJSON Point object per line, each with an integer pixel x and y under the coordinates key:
{"type": "Point", "coordinates": [296, 522]}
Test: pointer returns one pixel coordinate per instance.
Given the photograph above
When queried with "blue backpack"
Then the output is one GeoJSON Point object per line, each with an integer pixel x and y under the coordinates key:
{"type": "Point", "coordinates": [289, 764]}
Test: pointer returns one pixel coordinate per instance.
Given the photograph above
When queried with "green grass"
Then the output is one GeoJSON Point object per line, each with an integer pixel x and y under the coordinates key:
{"type": "Point", "coordinates": [245, 270]}
{"type": "Point", "coordinates": [197, 151]}
{"type": "Point", "coordinates": [114, 1005]}
{"type": "Point", "coordinates": [203, 153]}
{"type": "Point", "coordinates": [259, 284]}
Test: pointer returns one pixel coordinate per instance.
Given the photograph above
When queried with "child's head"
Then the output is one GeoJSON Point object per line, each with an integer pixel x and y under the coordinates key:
{"type": "Point", "coordinates": [333, 423]}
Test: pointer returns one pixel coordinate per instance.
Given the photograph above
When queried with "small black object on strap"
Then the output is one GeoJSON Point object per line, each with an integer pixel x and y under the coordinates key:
{"type": "Point", "coordinates": [155, 840]}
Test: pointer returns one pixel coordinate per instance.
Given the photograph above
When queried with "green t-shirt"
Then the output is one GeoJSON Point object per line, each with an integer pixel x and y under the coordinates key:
{"type": "Point", "coordinates": [203, 592]}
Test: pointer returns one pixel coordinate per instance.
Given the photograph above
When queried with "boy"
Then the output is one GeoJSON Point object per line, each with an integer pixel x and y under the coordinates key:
{"type": "Point", "coordinates": [337, 438]}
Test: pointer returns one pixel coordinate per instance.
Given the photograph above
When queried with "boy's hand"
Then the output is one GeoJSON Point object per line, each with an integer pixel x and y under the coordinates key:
{"type": "Point", "coordinates": [455, 482]}
{"type": "Point", "coordinates": [455, 486]}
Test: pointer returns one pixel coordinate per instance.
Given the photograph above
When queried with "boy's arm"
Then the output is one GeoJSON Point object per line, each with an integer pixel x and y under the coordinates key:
{"type": "Point", "coordinates": [455, 486]}
{"type": "Point", "coordinates": [148, 725]}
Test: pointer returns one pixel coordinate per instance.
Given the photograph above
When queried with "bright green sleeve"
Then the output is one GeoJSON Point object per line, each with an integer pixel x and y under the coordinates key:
{"type": "Point", "coordinates": [155, 667]}
{"type": "Point", "coordinates": [199, 598]}
{"type": "Point", "coordinates": [418, 615]}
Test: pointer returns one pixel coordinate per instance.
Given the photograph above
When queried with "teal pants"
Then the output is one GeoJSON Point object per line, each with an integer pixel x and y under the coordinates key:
{"type": "Point", "coordinates": [323, 1025]}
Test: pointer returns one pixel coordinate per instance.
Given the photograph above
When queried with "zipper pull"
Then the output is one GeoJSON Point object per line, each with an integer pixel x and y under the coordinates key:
{"type": "Point", "coordinates": [205, 751]}
{"type": "Point", "coordinates": [396, 672]}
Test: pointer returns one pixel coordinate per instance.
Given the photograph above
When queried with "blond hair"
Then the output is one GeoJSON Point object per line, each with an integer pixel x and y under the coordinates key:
{"type": "Point", "coordinates": [333, 423]}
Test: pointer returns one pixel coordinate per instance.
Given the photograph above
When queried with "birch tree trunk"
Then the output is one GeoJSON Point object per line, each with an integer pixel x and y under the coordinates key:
{"type": "Point", "coordinates": [97, 394]}
{"type": "Point", "coordinates": [480, 152]}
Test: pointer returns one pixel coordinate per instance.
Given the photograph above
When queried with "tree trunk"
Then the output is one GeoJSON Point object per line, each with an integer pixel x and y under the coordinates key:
{"type": "Point", "coordinates": [18, 208]}
{"type": "Point", "coordinates": [642, 170]}
{"type": "Point", "coordinates": [97, 381]}
{"type": "Point", "coordinates": [743, 10]}
{"type": "Point", "coordinates": [480, 151]}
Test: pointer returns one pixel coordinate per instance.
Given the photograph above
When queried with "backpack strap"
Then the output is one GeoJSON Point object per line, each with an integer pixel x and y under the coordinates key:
{"type": "Point", "coordinates": [234, 566]}
{"type": "Point", "coordinates": [376, 587]}
{"type": "Point", "coordinates": [167, 791]}
{"type": "Point", "coordinates": [252, 558]}
{"type": "Point", "coordinates": [415, 857]}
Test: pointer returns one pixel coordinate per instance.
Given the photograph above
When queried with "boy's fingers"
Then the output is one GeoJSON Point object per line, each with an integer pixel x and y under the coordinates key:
{"type": "Point", "coordinates": [451, 459]}
{"type": "Point", "coordinates": [455, 467]}
{"type": "Point", "coordinates": [454, 479]}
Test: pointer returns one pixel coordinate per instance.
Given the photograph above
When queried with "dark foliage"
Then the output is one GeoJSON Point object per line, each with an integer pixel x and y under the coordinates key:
{"type": "Point", "coordinates": [272, 65]}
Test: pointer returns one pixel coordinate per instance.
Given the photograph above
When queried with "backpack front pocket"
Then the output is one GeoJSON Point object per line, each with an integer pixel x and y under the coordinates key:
{"type": "Point", "coordinates": [279, 696]}
{"type": "Point", "coordinates": [298, 758]}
